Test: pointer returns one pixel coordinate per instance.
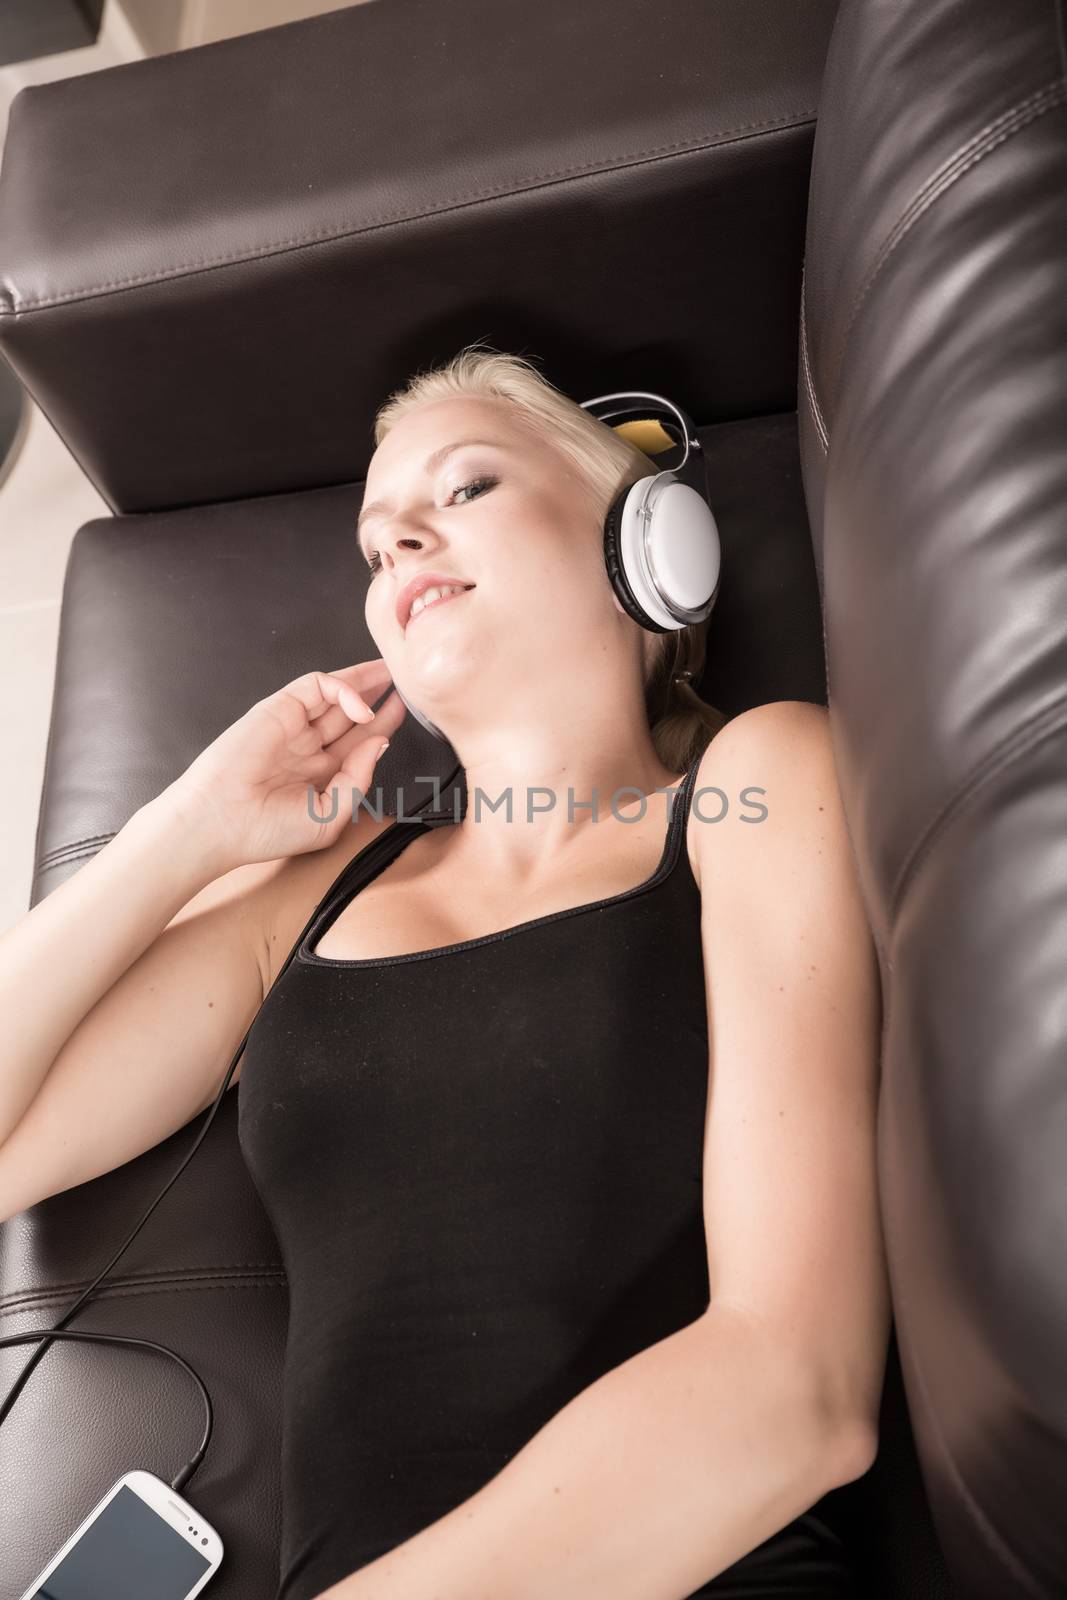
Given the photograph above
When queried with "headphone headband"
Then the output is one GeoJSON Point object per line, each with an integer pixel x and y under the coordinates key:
{"type": "Point", "coordinates": [641, 405]}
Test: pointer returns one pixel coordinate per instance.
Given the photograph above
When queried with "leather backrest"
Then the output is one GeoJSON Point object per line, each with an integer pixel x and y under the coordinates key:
{"type": "Point", "coordinates": [933, 377]}
{"type": "Point", "coordinates": [215, 264]}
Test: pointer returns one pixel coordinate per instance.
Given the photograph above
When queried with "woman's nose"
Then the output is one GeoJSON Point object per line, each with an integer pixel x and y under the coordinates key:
{"type": "Point", "coordinates": [396, 537]}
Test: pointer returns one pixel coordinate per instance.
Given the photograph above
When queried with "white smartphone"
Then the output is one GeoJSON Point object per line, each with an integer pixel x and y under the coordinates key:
{"type": "Point", "coordinates": [140, 1542]}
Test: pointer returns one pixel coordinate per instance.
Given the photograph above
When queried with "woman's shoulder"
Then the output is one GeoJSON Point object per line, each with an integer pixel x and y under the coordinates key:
{"type": "Point", "coordinates": [778, 732]}
{"type": "Point", "coordinates": [772, 763]}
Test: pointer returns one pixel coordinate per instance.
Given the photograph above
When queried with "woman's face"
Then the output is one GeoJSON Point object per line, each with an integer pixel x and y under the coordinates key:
{"type": "Point", "coordinates": [509, 515]}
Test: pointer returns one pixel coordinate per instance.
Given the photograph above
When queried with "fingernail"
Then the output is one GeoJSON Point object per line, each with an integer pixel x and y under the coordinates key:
{"type": "Point", "coordinates": [360, 712]}
{"type": "Point", "coordinates": [382, 748]}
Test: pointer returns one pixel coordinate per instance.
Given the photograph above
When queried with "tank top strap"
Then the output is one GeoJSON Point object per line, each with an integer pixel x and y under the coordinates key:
{"type": "Point", "coordinates": [681, 806]}
{"type": "Point", "coordinates": [688, 784]}
{"type": "Point", "coordinates": [364, 865]}
{"type": "Point", "coordinates": [376, 855]}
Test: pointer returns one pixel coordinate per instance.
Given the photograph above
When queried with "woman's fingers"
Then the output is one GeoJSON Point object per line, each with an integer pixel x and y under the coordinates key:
{"type": "Point", "coordinates": [367, 678]}
{"type": "Point", "coordinates": [386, 721]}
{"type": "Point", "coordinates": [350, 708]}
{"type": "Point", "coordinates": [332, 701]}
{"type": "Point", "coordinates": [353, 706]}
{"type": "Point", "coordinates": [360, 684]}
{"type": "Point", "coordinates": [325, 715]}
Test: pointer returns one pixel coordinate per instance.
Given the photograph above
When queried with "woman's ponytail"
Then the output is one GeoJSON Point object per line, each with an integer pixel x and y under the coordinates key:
{"type": "Point", "coordinates": [682, 723]}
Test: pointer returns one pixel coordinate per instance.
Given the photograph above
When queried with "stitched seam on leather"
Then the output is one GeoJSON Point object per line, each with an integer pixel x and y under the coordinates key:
{"type": "Point", "coordinates": [784, 120]}
{"type": "Point", "coordinates": [13, 1304]}
{"type": "Point", "coordinates": [75, 845]}
{"type": "Point", "coordinates": [74, 855]}
{"type": "Point", "coordinates": [809, 382]}
{"type": "Point", "coordinates": [1045, 724]}
{"type": "Point", "coordinates": [980, 145]}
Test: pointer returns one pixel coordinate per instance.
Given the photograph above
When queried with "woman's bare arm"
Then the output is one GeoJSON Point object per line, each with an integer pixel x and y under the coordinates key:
{"type": "Point", "coordinates": [124, 994]}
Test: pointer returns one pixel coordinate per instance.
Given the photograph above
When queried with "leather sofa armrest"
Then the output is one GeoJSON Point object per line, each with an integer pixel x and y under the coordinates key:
{"type": "Point", "coordinates": [214, 263]}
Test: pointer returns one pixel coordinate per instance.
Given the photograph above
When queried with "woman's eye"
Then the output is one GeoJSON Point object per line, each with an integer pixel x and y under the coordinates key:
{"type": "Point", "coordinates": [476, 483]}
{"type": "Point", "coordinates": [373, 561]}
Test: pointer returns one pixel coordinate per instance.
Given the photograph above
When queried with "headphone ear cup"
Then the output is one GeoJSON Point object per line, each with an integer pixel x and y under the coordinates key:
{"type": "Point", "coordinates": [614, 562]}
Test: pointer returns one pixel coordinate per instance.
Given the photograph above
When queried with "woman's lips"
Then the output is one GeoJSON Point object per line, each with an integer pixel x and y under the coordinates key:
{"type": "Point", "coordinates": [442, 600]}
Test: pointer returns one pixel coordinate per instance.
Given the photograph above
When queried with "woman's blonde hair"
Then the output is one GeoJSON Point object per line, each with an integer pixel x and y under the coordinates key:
{"type": "Point", "coordinates": [605, 462]}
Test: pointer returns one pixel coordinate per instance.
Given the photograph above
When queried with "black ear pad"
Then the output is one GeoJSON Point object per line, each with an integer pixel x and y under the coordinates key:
{"type": "Point", "coordinates": [613, 561]}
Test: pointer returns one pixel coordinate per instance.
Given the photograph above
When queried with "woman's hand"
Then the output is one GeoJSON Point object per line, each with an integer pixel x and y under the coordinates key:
{"type": "Point", "coordinates": [261, 790]}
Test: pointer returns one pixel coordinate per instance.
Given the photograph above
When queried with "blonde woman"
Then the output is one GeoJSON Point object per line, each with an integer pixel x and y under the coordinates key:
{"type": "Point", "coordinates": [564, 1114]}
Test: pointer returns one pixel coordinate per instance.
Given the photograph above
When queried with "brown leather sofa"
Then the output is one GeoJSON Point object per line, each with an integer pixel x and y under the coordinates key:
{"type": "Point", "coordinates": [214, 265]}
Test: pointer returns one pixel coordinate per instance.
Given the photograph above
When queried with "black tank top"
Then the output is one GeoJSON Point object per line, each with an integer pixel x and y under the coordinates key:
{"type": "Point", "coordinates": [483, 1164]}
